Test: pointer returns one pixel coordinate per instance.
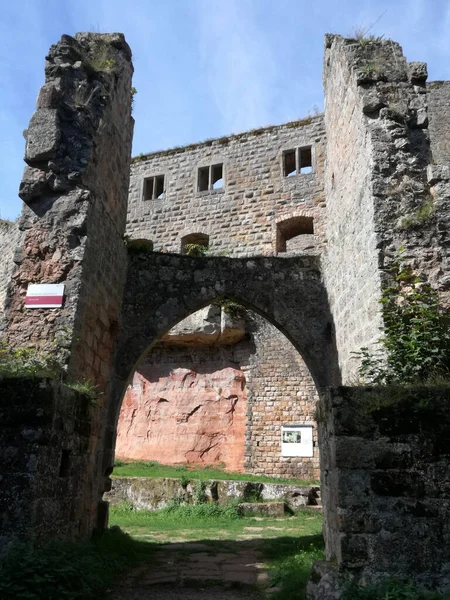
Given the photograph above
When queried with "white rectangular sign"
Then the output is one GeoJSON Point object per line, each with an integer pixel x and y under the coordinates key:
{"type": "Point", "coordinates": [44, 295]}
{"type": "Point", "coordinates": [297, 440]}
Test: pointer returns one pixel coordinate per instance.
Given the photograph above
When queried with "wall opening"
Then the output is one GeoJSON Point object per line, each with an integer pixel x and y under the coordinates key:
{"type": "Point", "coordinates": [64, 465]}
{"type": "Point", "coordinates": [153, 188]}
{"type": "Point", "coordinates": [210, 178]}
{"type": "Point", "coordinates": [221, 388]}
{"type": "Point", "coordinates": [298, 161]}
{"type": "Point", "coordinates": [296, 235]}
{"type": "Point", "coordinates": [195, 244]}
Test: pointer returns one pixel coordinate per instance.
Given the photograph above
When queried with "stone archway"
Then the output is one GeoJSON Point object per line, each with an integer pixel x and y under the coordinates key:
{"type": "Point", "coordinates": [162, 289]}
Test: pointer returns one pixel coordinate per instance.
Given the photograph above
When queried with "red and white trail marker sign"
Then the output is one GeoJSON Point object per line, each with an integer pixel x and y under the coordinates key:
{"type": "Point", "coordinates": [44, 295]}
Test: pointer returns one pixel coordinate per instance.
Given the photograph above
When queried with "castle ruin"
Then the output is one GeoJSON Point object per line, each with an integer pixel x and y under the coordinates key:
{"type": "Point", "coordinates": [302, 222]}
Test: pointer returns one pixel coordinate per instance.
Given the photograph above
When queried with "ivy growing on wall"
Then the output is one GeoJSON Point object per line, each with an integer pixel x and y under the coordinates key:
{"type": "Point", "coordinates": [415, 346]}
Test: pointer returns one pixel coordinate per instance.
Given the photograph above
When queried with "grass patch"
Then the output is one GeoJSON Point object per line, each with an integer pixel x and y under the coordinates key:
{"type": "Point", "coordinates": [421, 217]}
{"type": "Point", "coordinates": [155, 469]}
{"type": "Point", "coordinates": [291, 565]}
{"type": "Point", "coordinates": [288, 545]}
{"type": "Point", "coordinates": [68, 571]}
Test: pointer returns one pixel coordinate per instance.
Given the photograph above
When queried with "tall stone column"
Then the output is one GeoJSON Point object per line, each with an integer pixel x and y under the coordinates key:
{"type": "Point", "coordinates": [75, 190]}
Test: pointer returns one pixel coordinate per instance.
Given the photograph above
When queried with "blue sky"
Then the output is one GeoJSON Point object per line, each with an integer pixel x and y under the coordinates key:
{"type": "Point", "coordinates": [203, 68]}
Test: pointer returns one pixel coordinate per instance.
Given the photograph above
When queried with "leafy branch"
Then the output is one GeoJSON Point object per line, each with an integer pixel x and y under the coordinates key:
{"type": "Point", "coordinates": [415, 346]}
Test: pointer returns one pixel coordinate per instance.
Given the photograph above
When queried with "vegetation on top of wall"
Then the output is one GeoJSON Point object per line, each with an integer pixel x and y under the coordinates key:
{"type": "Point", "coordinates": [415, 346]}
{"type": "Point", "coordinates": [196, 250]}
{"type": "Point", "coordinates": [234, 309]}
{"type": "Point", "coordinates": [226, 138]}
{"type": "Point", "coordinates": [26, 362]}
{"type": "Point", "coordinates": [187, 473]}
{"type": "Point", "coordinates": [100, 58]}
{"type": "Point", "coordinates": [30, 362]}
{"type": "Point", "coordinates": [85, 387]}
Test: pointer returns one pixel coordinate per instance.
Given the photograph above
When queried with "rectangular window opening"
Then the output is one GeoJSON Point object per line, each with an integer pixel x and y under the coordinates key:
{"type": "Point", "coordinates": [305, 160]}
{"type": "Point", "coordinates": [203, 179]}
{"type": "Point", "coordinates": [289, 163]}
{"type": "Point", "coordinates": [148, 188]}
{"type": "Point", "coordinates": [64, 466]}
{"type": "Point", "coordinates": [217, 177]}
{"type": "Point", "coordinates": [159, 187]}
{"type": "Point", "coordinates": [153, 188]}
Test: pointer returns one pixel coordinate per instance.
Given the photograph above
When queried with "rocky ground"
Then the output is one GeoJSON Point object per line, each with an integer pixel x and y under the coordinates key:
{"type": "Point", "coordinates": [193, 571]}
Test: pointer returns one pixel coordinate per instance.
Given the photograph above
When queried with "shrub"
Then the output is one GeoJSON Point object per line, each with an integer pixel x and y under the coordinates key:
{"type": "Point", "coordinates": [196, 250]}
{"type": "Point", "coordinates": [26, 362]}
{"type": "Point", "coordinates": [415, 347]}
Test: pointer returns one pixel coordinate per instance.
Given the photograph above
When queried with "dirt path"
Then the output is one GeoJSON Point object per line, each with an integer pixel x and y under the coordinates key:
{"type": "Point", "coordinates": [196, 571]}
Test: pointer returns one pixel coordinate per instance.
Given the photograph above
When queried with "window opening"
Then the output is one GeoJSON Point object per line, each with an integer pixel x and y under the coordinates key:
{"type": "Point", "coordinates": [64, 466]}
{"type": "Point", "coordinates": [154, 188]}
{"type": "Point", "coordinates": [297, 161]}
{"type": "Point", "coordinates": [293, 227]}
{"type": "Point", "coordinates": [305, 160]}
{"type": "Point", "coordinates": [195, 244]}
{"type": "Point", "coordinates": [210, 178]}
{"type": "Point", "coordinates": [217, 177]}
{"type": "Point", "coordinates": [203, 179]}
{"type": "Point", "coordinates": [159, 187]}
{"type": "Point", "coordinates": [289, 163]}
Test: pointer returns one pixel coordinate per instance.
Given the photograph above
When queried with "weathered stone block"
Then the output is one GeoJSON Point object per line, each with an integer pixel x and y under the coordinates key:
{"type": "Point", "coordinates": [43, 135]}
{"type": "Point", "coordinates": [269, 509]}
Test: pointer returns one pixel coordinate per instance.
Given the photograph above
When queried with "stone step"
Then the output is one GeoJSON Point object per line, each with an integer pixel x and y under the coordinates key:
{"type": "Point", "coordinates": [272, 509]}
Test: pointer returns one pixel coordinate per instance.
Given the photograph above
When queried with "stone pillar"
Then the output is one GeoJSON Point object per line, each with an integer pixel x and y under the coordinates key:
{"type": "Point", "coordinates": [378, 196]}
{"type": "Point", "coordinates": [75, 189]}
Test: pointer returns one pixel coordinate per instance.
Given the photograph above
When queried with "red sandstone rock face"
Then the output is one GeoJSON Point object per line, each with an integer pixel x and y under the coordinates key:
{"type": "Point", "coordinates": [184, 417]}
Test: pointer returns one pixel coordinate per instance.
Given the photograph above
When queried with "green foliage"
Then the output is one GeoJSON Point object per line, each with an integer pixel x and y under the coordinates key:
{"type": "Point", "coordinates": [26, 362]}
{"type": "Point", "coordinates": [100, 59]}
{"type": "Point", "coordinates": [415, 347]}
{"type": "Point", "coordinates": [291, 570]}
{"type": "Point", "coordinates": [200, 492]}
{"type": "Point", "coordinates": [133, 93]}
{"type": "Point", "coordinates": [85, 387]}
{"type": "Point", "coordinates": [390, 589]}
{"type": "Point", "coordinates": [420, 217]}
{"type": "Point", "coordinates": [196, 250]}
{"type": "Point", "coordinates": [68, 571]}
{"type": "Point", "coordinates": [233, 309]}
{"type": "Point", "coordinates": [155, 469]}
{"type": "Point", "coordinates": [184, 481]}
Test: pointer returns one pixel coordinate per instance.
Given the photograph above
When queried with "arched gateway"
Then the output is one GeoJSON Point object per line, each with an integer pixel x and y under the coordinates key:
{"type": "Point", "coordinates": [163, 289]}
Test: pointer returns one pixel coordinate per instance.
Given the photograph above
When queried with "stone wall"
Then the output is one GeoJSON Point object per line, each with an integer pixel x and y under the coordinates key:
{"type": "Point", "coordinates": [185, 406]}
{"type": "Point", "coordinates": [439, 120]}
{"type": "Point", "coordinates": [281, 391]}
{"type": "Point", "coordinates": [9, 240]}
{"type": "Point", "coordinates": [380, 195]}
{"type": "Point", "coordinates": [385, 482]}
{"type": "Point", "coordinates": [45, 431]}
{"type": "Point", "coordinates": [154, 493]}
{"type": "Point", "coordinates": [241, 217]}
{"type": "Point", "coordinates": [210, 405]}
